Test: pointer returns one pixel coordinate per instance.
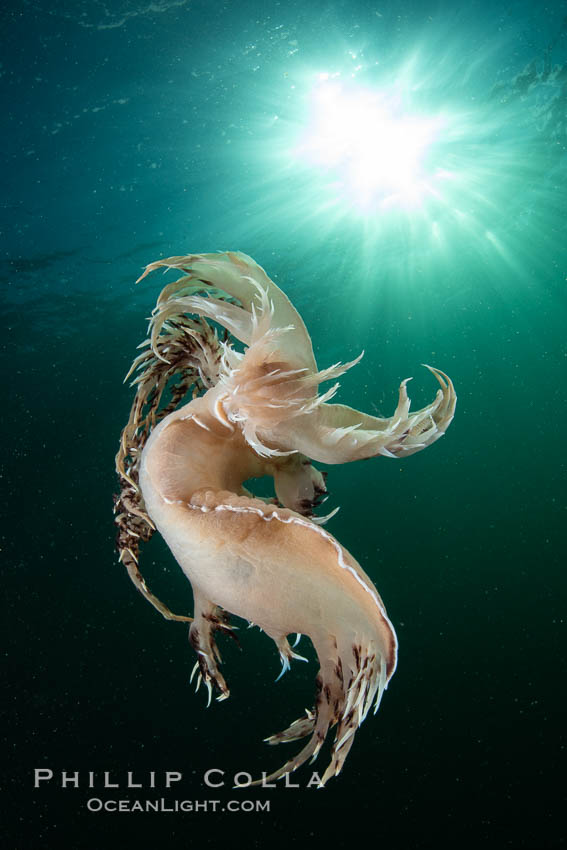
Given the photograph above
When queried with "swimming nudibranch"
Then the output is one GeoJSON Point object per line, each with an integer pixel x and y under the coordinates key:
{"type": "Point", "coordinates": [256, 413]}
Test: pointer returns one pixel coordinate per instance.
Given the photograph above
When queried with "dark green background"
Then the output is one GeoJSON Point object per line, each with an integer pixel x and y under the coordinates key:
{"type": "Point", "coordinates": [115, 152]}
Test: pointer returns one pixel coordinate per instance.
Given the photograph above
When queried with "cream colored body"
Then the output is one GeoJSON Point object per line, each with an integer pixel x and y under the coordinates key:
{"type": "Point", "coordinates": [241, 553]}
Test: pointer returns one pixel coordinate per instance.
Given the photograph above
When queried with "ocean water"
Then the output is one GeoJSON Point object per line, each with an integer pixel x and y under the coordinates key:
{"type": "Point", "coordinates": [135, 130]}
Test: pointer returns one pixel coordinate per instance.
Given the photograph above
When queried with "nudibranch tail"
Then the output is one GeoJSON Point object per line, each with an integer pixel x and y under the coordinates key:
{"type": "Point", "coordinates": [341, 702]}
{"type": "Point", "coordinates": [207, 417]}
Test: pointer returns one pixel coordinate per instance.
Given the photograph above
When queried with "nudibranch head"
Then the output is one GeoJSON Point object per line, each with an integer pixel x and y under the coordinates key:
{"type": "Point", "coordinates": [208, 417]}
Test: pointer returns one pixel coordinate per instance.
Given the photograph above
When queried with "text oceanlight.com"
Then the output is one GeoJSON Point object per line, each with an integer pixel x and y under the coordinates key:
{"type": "Point", "coordinates": [95, 804]}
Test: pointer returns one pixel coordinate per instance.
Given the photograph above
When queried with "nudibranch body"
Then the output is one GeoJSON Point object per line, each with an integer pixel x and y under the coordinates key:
{"type": "Point", "coordinates": [251, 414]}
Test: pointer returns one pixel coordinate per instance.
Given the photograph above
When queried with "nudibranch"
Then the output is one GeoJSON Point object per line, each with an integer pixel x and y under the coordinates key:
{"type": "Point", "coordinates": [254, 410]}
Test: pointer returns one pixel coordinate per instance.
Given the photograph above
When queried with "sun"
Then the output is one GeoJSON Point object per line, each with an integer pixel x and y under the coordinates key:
{"type": "Point", "coordinates": [367, 144]}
